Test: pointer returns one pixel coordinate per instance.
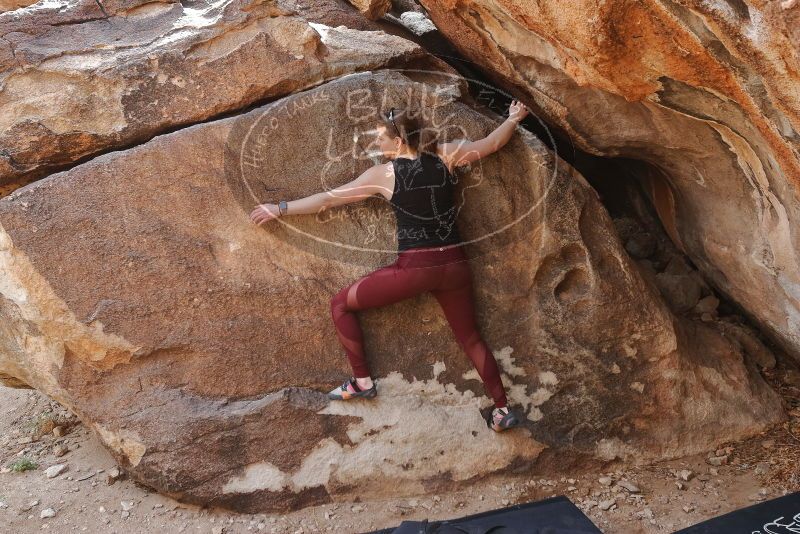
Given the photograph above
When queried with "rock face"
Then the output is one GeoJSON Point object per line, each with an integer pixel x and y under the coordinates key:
{"type": "Point", "coordinates": [705, 93]}
{"type": "Point", "coordinates": [10, 5]}
{"type": "Point", "coordinates": [135, 290]}
{"type": "Point", "coordinates": [372, 9]}
{"type": "Point", "coordinates": [83, 77]}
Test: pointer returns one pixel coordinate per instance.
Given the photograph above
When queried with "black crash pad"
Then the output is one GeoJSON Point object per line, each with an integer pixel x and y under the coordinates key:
{"type": "Point", "coordinates": [556, 515]}
{"type": "Point", "coordinates": [776, 516]}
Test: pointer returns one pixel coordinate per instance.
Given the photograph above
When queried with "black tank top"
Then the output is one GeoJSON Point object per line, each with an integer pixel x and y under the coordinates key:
{"type": "Point", "coordinates": [423, 202]}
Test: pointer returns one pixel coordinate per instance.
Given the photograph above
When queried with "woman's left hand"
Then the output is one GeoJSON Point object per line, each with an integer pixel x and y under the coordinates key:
{"type": "Point", "coordinates": [517, 111]}
{"type": "Point", "coordinates": [264, 212]}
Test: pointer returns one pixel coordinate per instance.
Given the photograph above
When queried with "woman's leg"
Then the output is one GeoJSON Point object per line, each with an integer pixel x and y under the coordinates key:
{"type": "Point", "coordinates": [384, 286]}
{"type": "Point", "coordinates": [455, 296]}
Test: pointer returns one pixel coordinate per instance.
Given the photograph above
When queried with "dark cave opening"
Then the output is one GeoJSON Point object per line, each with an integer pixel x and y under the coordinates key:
{"type": "Point", "coordinates": [633, 192]}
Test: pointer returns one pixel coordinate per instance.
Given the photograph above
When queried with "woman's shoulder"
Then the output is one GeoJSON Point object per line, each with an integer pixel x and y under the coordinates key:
{"type": "Point", "coordinates": [441, 155]}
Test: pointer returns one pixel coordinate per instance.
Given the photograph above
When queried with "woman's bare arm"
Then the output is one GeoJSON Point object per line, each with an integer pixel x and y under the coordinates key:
{"type": "Point", "coordinates": [370, 182]}
{"type": "Point", "coordinates": [462, 151]}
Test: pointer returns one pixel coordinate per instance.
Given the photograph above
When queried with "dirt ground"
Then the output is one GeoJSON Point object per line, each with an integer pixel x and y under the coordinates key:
{"type": "Point", "coordinates": [659, 499]}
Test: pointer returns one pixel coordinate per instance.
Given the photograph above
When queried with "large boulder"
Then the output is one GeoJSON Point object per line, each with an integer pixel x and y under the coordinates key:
{"type": "Point", "coordinates": [135, 291]}
{"type": "Point", "coordinates": [704, 92]}
{"type": "Point", "coordinates": [81, 77]}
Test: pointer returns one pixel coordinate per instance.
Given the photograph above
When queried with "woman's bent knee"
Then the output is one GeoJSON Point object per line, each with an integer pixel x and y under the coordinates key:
{"type": "Point", "coordinates": [339, 302]}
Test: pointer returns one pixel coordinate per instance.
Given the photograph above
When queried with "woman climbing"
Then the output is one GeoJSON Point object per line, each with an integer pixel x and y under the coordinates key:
{"type": "Point", "coordinates": [418, 183]}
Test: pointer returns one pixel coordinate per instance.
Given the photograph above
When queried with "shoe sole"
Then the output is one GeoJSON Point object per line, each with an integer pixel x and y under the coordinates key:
{"type": "Point", "coordinates": [370, 393]}
{"type": "Point", "coordinates": [511, 423]}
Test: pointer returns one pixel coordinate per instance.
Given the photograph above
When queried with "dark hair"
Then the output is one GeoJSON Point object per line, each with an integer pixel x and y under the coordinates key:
{"type": "Point", "coordinates": [412, 129]}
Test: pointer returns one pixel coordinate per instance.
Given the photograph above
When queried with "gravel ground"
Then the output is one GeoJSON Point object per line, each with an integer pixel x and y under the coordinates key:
{"type": "Point", "coordinates": [656, 498]}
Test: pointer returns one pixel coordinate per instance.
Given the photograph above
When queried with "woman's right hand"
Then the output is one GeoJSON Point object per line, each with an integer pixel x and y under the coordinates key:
{"type": "Point", "coordinates": [263, 213]}
{"type": "Point", "coordinates": [517, 111]}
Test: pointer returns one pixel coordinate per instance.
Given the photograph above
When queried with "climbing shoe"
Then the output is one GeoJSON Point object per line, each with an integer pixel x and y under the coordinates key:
{"type": "Point", "coordinates": [502, 419]}
{"type": "Point", "coordinates": [350, 390]}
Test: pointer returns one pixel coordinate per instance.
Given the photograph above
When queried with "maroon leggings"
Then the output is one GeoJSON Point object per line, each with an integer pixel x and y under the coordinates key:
{"type": "Point", "coordinates": [445, 272]}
